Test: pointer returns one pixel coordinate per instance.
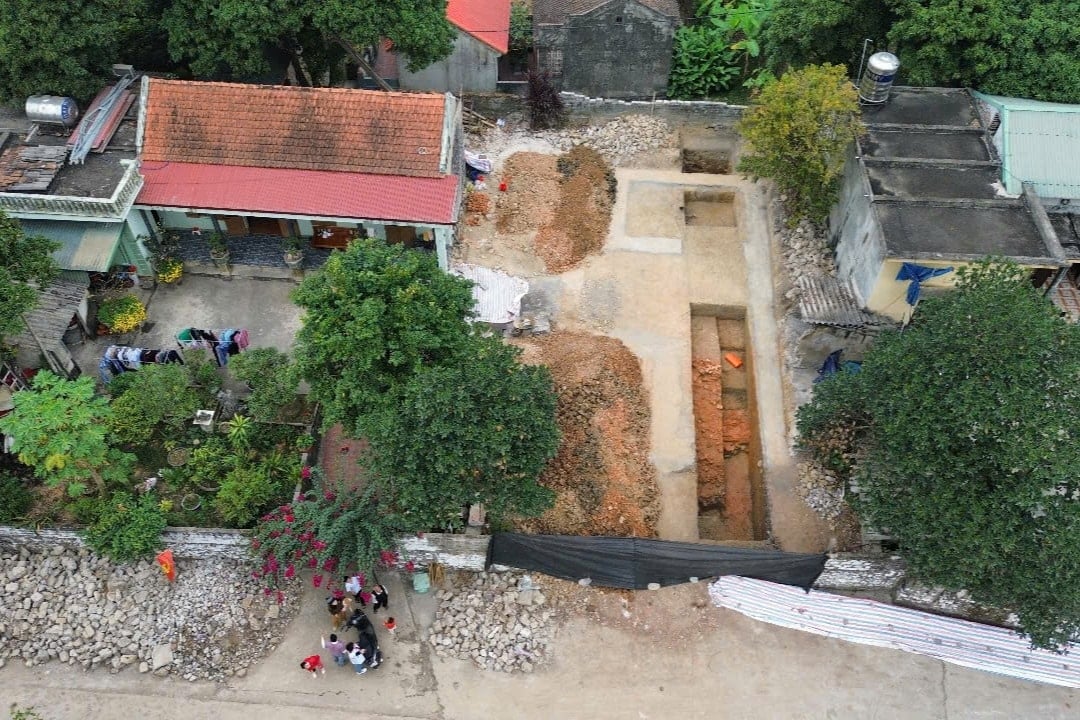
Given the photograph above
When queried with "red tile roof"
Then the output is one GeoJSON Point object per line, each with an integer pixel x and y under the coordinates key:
{"type": "Point", "coordinates": [486, 20]}
{"type": "Point", "coordinates": [269, 126]}
{"type": "Point", "coordinates": [299, 192]}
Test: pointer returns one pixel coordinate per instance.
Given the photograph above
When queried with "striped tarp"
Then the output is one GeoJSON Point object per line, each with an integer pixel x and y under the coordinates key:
{"type": "Point", "coordinates": [982, 647]}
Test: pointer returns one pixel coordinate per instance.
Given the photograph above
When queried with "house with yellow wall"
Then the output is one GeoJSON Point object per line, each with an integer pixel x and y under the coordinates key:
{"type": "Point", "coordinates": [922, 196]}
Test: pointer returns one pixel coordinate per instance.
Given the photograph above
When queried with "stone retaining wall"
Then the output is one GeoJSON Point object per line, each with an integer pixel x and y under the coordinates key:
{"type": "Point", "coordinates": [597, 110]}
{"type": "Point", "coordinates": [460, 552]}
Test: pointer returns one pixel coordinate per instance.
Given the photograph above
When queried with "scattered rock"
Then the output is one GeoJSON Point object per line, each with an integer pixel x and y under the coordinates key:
{"type": "Point", "coordinates": [494, 619]}
{"type": "Point", "coordinates": [65, 604]}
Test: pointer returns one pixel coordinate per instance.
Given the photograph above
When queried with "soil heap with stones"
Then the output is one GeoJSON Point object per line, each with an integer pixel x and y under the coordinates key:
{"type": "Point", "coordinates": [568, 198]}
{"type": "Point", "coordinates": [601, 475]}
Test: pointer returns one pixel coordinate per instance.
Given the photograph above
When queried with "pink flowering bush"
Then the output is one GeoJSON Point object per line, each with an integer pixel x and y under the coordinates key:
{"type": "Point", "coordinates": [328, 529]}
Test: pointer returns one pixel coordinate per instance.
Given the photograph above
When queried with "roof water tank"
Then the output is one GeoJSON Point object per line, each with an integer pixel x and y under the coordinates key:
{"type": "Point", "coordinates": [52, 109]}
{"type": "Point", "coordinates": [878, 77]}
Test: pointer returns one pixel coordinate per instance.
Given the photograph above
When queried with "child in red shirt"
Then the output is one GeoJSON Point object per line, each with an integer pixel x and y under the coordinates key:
{"type": "Point", "coordinates": [313, 665]}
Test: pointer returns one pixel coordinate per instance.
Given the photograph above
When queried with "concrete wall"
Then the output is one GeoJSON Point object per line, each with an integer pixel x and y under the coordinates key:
{"type": "Point", "coordinates": [621, 49]}
{"type": "Point", "coordinates": [889, 296]}
{"type": "Point", "coordinates": [856, 233]}
{"type": "Point", "coordinates": [592, 110]}
{"type": "Point", "coordinates": [472, 66]}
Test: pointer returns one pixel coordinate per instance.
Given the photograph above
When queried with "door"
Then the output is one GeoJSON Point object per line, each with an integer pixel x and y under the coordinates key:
{"type": "Point", "coordinates": [404, 234]}
{"type": "Point", "coordinates": [235, 225]}
{"type": "Point", "coordinates": [268, 226]}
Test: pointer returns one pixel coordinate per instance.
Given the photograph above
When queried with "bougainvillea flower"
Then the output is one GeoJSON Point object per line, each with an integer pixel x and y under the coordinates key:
{"type": "Point", "coordinates": [410, 566]}
{"type": "Point", "coordinates": [280, 597]}
{"type": "Point", "coordinates": [316, 580]}
{"type": "Point", "coordinates": [289, 572]}
{"type": "Point", "coordinates": [313, 562]}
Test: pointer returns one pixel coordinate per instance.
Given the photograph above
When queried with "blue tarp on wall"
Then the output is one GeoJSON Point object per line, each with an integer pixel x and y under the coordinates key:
{"type": "Point", "coordinates": [918, 274]}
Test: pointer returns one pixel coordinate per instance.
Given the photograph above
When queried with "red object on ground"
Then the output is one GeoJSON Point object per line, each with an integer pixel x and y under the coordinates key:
{"type": "Point", "coordinates": [734, 360]}
{"type": "Point", "coordinates": [503, 186]}
{"type": "Point", "coordinates": [168, 565]}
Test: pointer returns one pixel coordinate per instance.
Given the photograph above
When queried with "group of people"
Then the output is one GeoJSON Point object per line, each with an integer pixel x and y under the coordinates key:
{"type": "Point", "coordinates": [363, 653]}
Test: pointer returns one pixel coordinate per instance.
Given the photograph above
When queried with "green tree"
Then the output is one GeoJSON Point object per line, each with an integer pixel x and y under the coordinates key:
{"type": "Point", "coordinates": [273, 378]}
{"type": "Point", "coordinates": [797, 134]}
{"type": "Point", "coordinates": [479, 430]}
{"type": "Point", "coordinates": [964, 431]}
{"type": "Point", "coordinates": [60, 428]}
{"type": "Point", "coordinates": [231, 38]}
{"type": "Point", "coordinates": [940, 42]}
{"type": "Point", "coordinates": [154, 395]}
{"type": "Point", "coordinates": [521, 26]}
{"type": "Point", "coordinates": [375, 315]}
{"type": "Point", "coordinates": [65, 48]}
{"type": "Point", "coordinates": [803, 32]}
{"type": "Point", "coordinates": [26, 265]}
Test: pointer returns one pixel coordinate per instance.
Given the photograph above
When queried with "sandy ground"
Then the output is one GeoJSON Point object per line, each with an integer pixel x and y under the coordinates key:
{"type": "Point", "coordinates": [668, 659]}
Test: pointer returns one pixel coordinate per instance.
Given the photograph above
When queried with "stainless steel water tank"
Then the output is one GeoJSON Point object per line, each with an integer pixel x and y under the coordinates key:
{"type": "Point", "coordinates": [52, 109]}
{"type": "Point", "coordinates": [878, 77]}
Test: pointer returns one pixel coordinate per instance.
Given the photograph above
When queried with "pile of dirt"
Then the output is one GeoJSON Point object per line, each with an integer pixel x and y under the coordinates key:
{"type": "Point", "coordinates": [602, 477]}
{"type": "Point", "coordinates": [532, 191]}
{"type": "Point", "coordinates": [478, 202]}
{"type": "Point", "coordinates": [709, 432]}
{"type": "Point", "coordinates": [581, 218]}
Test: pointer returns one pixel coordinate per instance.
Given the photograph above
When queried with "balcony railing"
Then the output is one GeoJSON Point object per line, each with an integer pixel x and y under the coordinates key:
{"type": "Point", "coordinates": [112, 208]}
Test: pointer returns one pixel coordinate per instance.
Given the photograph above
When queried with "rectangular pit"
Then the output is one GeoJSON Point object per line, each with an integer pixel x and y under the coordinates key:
{"type": "Point", "coordinates": [731, 498]}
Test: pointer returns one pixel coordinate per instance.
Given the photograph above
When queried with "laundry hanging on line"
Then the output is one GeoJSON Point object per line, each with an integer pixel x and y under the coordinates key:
{"type": "Point", "coordinates": [222, 343]}
{"type": "Point", "coordinates": [119, 359]}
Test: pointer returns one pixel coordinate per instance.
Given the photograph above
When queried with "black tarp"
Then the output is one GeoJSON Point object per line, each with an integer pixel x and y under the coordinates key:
{"type": "Point", "coordinates": [625, 562]}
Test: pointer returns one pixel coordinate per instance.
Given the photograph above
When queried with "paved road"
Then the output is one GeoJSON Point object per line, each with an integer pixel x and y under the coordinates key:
{"type": "Point", "coordinates": [739, 668]}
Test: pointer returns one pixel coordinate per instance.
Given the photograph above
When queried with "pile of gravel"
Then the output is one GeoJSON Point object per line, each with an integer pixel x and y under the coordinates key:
{"type": "Point", "coordinates": [821, 490]}
{"type": "Point", "coordinates": [500, 621]}
{"type": "Point", "coordinates": [67, 605]}
{"type": "Point", "coordinates": [806, 252]}
{"type": "Point", "coordinates": [617, 140]}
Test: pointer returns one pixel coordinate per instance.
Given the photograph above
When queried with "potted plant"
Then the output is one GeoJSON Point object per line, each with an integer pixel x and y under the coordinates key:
{"type": "Point", "coordinates": [294, 251]}
{"type": "Point", "coordinates": [219, 249]}
{"type": "Point", "coordinates": [170, 270]}
{"type": "Point", "coordinates": [122, 314]}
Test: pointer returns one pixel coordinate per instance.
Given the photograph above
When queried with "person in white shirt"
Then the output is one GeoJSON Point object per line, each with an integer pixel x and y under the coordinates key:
{"type": "Point", "coordinates": [357, 657]}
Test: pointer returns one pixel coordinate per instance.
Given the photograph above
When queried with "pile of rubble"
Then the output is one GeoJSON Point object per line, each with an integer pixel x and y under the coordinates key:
{"type": "Point", "coordinates": [67, 605]}
{"type": "Point", "coordinates": [617, 140]}
{"type": "Point", "coordinates": [500, 621]}
{"type": "Point", "coordinates": [821, 489]}
{"type": "Point", "coordinates": [806, 251]}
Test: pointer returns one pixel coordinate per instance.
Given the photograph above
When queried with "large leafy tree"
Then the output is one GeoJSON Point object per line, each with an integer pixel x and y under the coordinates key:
{"type": "Point", "coordinates": [1009, 47]}
{"type": "Point", "coordinates": [963, 429]}
{"type": "Point", "coordinates": [60, 428]}
{"type": "Point", "coordinates": [478, 430]}
{"type": "Point", "coordinates": [65, 48]}
{"type": "Point", "coordinates": [797, 132]}
{"type": "Point", "coordinates": [231, 38]}
{"type": "Point", "coordinates": [26, 266]}
{"type": "Point", "coordinates": [375, 315]}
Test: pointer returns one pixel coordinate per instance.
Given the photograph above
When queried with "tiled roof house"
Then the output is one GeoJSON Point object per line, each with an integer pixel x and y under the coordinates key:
{"type": "Point", "coordinates": [314, 162]}
{"type": "Point", "coordinates": [473, 65]}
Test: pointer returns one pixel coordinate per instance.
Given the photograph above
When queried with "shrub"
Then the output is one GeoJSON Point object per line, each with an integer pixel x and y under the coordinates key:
{"type": "Point", "coordinates": [122, 314]}
{"type": "Point", "coordinates": [170, 270]}
{"type": "Point", "coordinates": [245, 492]}
{"type": "Point", "coordinates": [135, 415]}
{"type": "Point", "coordinates": [127, 528]}
{"type": "Point", "coordinates": [15, 498]}
{"type": "Point", "coordinates": [546, 107]}
{"type": "Point", "coordinates": [273, 378]}
{"type": "Point", "coordinates": [798, 133]}
{"type": "Point", "coordinates": [330, 528]}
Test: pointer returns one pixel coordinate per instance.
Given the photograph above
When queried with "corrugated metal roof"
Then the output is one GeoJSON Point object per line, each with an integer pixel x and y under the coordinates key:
{"type": "Point", "coordinates": [497, 296]}
{"type": "Point", "coordinates": [824, 300]}
{"type": "Point", "coordinates": [1041, 145]}
{"type": "Point", "coordinates": [86, 246]}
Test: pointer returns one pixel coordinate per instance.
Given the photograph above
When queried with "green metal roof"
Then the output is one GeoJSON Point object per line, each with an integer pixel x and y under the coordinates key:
{"type": "Point", "coordinates": [86, 246]}
{"type": "Point", "coordinates": [1040, 144]}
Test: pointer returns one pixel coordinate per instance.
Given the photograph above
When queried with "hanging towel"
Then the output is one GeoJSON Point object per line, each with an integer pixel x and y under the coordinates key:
{"type": "Point", "coordinates": [241, 338]}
